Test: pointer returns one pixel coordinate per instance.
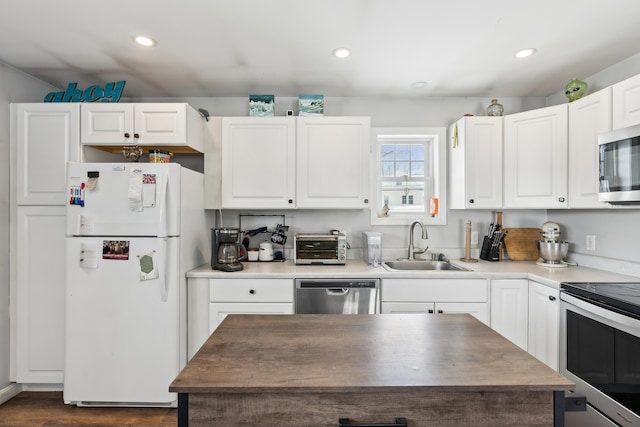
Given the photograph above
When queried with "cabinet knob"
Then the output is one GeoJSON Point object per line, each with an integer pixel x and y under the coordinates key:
{"type": "Point", "coordinates": [561, 199]}
{"type": "Point", "coordinates": [127, 135]}
{"type": "Point", "coordinates": [552, 298]}
{"type": "Point", "coordinates": [252, 291]}
{"type": "Point", "coordinates": [440, 311]}
{"type": "Point", "coordinates": [136, 135]}
{"type": "Point", "coordinates": [290, 201]}
{"type": "Point", "coordinates": [471, 200]}
{"type": "Point", "coordinates": [430, 311]}
{"type": "Point", "coordinates": [366, 201]}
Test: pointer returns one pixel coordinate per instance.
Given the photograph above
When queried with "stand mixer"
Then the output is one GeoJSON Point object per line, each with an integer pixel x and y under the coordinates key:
{"type": "Point", "coordinates": [552, 250]}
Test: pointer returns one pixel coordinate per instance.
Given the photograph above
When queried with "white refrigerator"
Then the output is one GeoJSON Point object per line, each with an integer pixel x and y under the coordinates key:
{"type": "Point", "coordinates": [133, 230]}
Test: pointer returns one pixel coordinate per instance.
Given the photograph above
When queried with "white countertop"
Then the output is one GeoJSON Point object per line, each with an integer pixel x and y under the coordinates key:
{"type": "Point", "coordinates": [551, 276]}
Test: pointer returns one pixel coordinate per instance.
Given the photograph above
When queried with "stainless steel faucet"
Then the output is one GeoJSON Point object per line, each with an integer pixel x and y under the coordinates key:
{"type": "Point", "coordinates": [413, 251]}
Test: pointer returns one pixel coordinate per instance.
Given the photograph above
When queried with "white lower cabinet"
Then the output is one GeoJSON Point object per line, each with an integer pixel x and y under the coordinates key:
{"type": "Point", "coordinates": [438, 296]}
{"type": "Point", "coordinates": [544, 323]}
{"type": "Point", "coordinates": [40, 286]}
{"type": "Point", "coordinates": [509, 309]}
{"type": "Point", "coordinates": [211, 300]}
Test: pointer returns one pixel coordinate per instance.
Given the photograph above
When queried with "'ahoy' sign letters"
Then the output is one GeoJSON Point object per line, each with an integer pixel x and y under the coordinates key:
{"type": "Point", "coordinates": [111, 93]}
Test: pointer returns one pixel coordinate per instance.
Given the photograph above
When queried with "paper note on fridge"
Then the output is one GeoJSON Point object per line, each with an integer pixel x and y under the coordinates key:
{"type": "Point", "coordinates": [89, 254]}
{"type": "Point", "coordinates": [148, 190]}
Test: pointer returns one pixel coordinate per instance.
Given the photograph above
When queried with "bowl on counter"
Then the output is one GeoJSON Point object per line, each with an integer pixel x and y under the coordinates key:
{"type": "Point", "coordinates": [553, 252]}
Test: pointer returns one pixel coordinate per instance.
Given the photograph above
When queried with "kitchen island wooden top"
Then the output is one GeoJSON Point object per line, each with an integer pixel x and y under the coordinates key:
{"type": "Point", "coordinates": [329, 352]}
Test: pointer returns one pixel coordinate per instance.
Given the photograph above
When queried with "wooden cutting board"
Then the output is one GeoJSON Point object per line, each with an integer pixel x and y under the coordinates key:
{"type": "Point", "coordinates": [521, 245]}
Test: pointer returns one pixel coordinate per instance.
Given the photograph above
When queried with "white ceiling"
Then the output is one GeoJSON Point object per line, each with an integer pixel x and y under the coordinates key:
{"type": "Point", "coordinates": [283, 47]}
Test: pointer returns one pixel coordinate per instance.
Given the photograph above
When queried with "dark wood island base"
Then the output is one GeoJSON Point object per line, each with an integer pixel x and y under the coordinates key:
{"type": "Point", "coordinates": [314, 370]}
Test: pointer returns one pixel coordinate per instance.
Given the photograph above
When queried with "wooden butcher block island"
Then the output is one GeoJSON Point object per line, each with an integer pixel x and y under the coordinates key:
{"type": "Point", "coordinates": [365, 370]}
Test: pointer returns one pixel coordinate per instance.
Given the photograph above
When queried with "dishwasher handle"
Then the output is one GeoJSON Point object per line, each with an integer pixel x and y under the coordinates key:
{"type": "Point", "coordinates": [400, 422]}
{"type": "Point", "coordinates": [337, 291]}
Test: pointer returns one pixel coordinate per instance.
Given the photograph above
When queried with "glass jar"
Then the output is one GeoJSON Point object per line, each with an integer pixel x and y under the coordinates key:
{"type": "Point", "coordinates": [495, 109]}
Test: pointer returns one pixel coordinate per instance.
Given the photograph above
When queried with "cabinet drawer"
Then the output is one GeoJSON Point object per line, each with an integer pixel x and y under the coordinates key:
{"type": "Point", "coordinates": [434, 290]}
{"type": "Point", "coordinates": [251, 290]}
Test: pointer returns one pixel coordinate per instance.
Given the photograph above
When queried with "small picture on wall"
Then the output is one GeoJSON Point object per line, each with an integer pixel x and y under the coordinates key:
{"type": "Point", "coordinates": [311, 105]}
{"type": "Point", "coordinates": [261, 105]}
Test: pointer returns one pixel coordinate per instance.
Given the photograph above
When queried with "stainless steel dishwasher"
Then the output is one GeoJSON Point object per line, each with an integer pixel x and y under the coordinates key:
{"type": "Point", "coordinates": [337, 296]}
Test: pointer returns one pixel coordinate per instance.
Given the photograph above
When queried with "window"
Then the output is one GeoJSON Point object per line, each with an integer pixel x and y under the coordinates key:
{"type": "Point", "coordinates": [409, 170]}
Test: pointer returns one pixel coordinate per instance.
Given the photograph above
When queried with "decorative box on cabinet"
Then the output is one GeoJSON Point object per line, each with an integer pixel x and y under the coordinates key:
{"type": "Point", "coordinates": [588, 117]}
{"type": "Point", "coordinates": [332, 168]}
{"type": "Point", "coordinates": [177, 127]}
{"type": "Point", "coordinates": [475, 163]}
{"type": "Point", "coordinates": [535, 158]}
{"type": "Point", "coordinates": [544, 323]}
{"type": "Point", "coordinates": [439, 296]}
{"type": "Point", "coordinates": [626, 103]}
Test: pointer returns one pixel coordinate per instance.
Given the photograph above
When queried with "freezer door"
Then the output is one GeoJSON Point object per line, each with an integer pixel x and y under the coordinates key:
{"type": "Point", "coordinates": [128, 199]}
{"type": "Point", "coordinates": [122, 322]}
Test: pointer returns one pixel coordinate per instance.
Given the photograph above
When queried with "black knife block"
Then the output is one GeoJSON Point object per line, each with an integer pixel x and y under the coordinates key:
{"type": "Point", "coordinates": [488, 251]}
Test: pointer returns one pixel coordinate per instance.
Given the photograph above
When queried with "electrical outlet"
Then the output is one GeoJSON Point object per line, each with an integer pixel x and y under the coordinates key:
{"type": "Point", "coordinates": [474, 237]}
{"type": "Point", "coordinates": [591, 242]}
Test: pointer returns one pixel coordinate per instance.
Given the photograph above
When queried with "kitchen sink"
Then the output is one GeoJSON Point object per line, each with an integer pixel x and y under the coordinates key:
{"type": "Point", "coordinates": [420, 265]}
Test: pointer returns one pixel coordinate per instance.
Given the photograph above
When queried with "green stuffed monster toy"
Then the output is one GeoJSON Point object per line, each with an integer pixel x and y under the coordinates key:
{"type": "Point", "coordinates": [575, 89]}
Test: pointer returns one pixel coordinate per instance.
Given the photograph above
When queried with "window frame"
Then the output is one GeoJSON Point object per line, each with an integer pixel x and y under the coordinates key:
{"type": "Point", "coordinates": [436, 181]}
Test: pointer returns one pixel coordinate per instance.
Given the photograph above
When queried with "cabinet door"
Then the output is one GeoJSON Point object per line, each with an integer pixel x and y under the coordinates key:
{"type": "Point", "coordinates": [46, 136]}
{"type": "Point", "coordinates": [218, 311]}
{"type": "Point", "coordinates": [509, 309]}
{"type": "Point", "coordinates": [544, 323]}
{"type": "Point", "coordinates": [160, 124]}
{"type": "Point", "coordinates": [626, 103]}
{"type": "Point", "coordinates": [588, 117]}
{"type": "Point", "coordinates": [40, 299]}
{"type": "Point", "coordinates": [535, 158]}
{"type": "Point", "coordinates": [475, 163]}
{"type": "Point", "coordinates": [258, 162]}
{"type": "Point", "coordinates": [407, 307]}
{"type": "Point", "coordinates": [478, 310]}
{"type": "Point", "coordinates": [107, 124]}
{"type": "Point", "coordinates": [332, 162]}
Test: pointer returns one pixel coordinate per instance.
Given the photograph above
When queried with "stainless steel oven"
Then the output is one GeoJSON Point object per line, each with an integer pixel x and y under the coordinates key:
{"type": "Point", "coordinates": [600, 351]}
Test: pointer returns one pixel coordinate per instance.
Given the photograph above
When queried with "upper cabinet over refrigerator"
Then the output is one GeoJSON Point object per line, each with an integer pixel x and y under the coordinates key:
{"type": "Point", "coordinates": [175, 125]}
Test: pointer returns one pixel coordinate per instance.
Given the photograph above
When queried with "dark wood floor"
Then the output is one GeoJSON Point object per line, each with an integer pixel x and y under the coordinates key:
{"type": "Point", "coordinates": [47, 409]}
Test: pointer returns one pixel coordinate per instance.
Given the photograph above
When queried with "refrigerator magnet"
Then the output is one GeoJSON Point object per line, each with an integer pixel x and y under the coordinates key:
{"type": "Point", "coordinates": [147, 267]}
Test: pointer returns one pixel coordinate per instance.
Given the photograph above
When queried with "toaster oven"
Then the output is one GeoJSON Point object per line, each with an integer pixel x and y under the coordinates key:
{"type": "Point", "coordinates": [323, 249]}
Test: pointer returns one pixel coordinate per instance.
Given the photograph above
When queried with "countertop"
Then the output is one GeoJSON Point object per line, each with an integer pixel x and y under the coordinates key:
{"type": "Point", "coordinates": [298, 352]}
{"type": "Point", "coordinates": [550, 276]}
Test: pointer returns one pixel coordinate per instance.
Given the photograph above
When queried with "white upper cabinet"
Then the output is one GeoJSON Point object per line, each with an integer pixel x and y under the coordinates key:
{"type": "Point", "coordinates": [258, 162]}
{"type": "Point", "coordinates": [45, 137]}
{"type": "Point", "coordinates": [332, 168]}
{"type": "Point", "coordinates": [149, 124]}
{"type": "Point", "coordinates": [535, 158]}
{"type": "Point", "coordinates": [475, 163]}
{"type": "Point", "coordinates": [588, 117]}
{"type": "Point", "coordinates": [626, 103]}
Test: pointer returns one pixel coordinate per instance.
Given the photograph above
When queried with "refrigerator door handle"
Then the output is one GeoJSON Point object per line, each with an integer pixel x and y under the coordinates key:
{"type": "Point", "coordinates": [164, 280]}
{"type": "Point", "coordinates": [162, 205]}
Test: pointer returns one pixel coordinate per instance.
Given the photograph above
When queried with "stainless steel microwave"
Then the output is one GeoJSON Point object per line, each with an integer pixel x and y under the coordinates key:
{"type": "Point", "coordinates": [619, 166]}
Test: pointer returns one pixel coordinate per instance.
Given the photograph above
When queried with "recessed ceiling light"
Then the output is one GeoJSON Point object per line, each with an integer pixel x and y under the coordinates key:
{"type": "Point", "coordinates": [418, 85]}
{"type": "Point", "coordinates": [145, 41]}
{"type": "Point", "coordinates": [525, 53]}
{"type": "Point", "coordinates": [341, 52]}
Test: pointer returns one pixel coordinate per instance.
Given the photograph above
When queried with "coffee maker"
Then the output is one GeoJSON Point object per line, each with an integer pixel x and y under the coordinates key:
{"type": "Point", "coordinates": [225, 251]}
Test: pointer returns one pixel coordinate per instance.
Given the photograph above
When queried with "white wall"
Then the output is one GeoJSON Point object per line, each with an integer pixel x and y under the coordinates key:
{"type": "Point", "coordinates": [14, 87]}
